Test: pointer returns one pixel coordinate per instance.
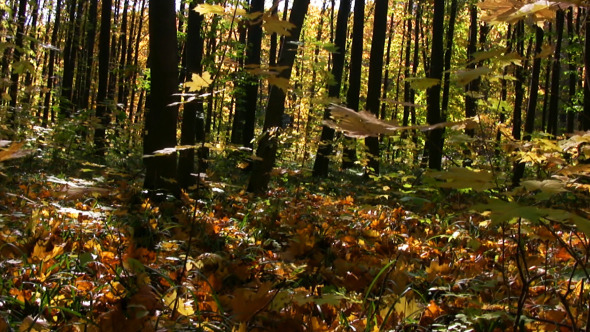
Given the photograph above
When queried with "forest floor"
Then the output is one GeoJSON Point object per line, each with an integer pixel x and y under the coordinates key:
{"type": "Point", "coordinates": [87, 251]}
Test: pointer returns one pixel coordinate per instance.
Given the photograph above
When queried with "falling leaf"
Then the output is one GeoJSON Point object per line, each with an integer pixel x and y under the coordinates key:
{"type": "Point", "coordinates": [272, 24]}
{"type": "Point", "coordinates": [547, 186]}
{"type": "Point", "coordinates": [463, 77]}
{"type": "Point", "coordinates": [280, 82]}
{"type": "Point", "coordinates": [422, 83]}
{"type": "Point", "coordinates": [198, 82]}
{"type": "Point", "coordinates": [205, 8]}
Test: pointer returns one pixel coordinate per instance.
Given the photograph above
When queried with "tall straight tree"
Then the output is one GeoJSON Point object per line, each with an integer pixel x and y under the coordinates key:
{"type": "Point", "coordinates": [586, 113]}
{"type": "Point", "coordinates": [529, 124]}
{"type": "Point", "coordinates": [435, 140]}
{"type": "Point", "coordinates": [552, 118]}
{"type": "Point", "coordinates": [161, 117]}
{"type": "Point", "coordinates": [354, 77]}
{"type": "Point", "coordinates": [51, 65]}
{"type": "Point", "coordinates": [375, 75]}
{"type": "Point", "coordinates": [103, 78]}
{"type": "Point", "coordinates": [244, 123]}
{"type": "Point", "coordinates": [193, 126]}
{"type": "Point", "coordinates": [320, 167]}
{"type": "Point", "coordinates": [268, 145]}
{"type": "Point", "coordinates": [16, 58]}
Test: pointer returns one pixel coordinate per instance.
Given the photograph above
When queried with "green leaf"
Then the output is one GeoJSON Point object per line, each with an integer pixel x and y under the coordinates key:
{"type": "Point", "coordinates": [273, 24]}
{"type": "Point", "coordinates": [422, 83]}
{"type": "Point", "coordinates": [463, 77]}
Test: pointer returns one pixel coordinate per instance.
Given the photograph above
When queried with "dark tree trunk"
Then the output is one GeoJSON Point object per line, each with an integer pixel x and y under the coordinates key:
{"type": "Point", "coordinates": [245, 134]}
{"type": "Point", "coordinates": [473, 86]}
{"type": "Point", "coordinates": [529, 124]}
{"type": "Point", "coordinates": [518, 84]}
{"type": "Point", "coordinates": [160, 119]}
{"type": "Point", "coordinates": [192, 119]}
{"type": "Point", "coordinates": [408, 57]}
{"type": "Point", "coordinates": [51, 65]}
{"type": "Point", "coordinates": [16, 57]}
{"type": "Point", "coordinates": [375, 75]}
{"type": "Point", "coordinates": [435, 141]}
{"type": "Point", "coordinates": [354, 78]}
{"type": "Point", "coordinates": [103, 77]}
{"type": "Point", "coordinates": [586, 114]}
{"type": "Point", "coordinates": [320, 167]}
{"type": "Point", "coordinates": [268, 145]}
{"type": "Point", "coordinates": [573, 73]}
{"type": "Point", "coordinates": [70, 56]}
{"type": "Point", "coordinates": [89, 49]}
{"type": "Point", "coordinates": [552, 117]}
{"type": "Point", "coordinates": [386, 66]}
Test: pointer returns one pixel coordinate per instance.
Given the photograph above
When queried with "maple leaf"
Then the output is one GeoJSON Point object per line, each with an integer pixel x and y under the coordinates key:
{"type": "Point", "coordinates": [463, 77]}
{"type": "Point", "coordinates": [198, 82]}
{"type": "Point", "coordinates": [14, 151]}
{"type": "Point", "coordinates": [422, 83]}
{"type": "Point", "coordinates": [460, 177]}
{"type": "Point", "coordinates": [280, 82]}
{"type": "Point", "coordinates": [272, 24]}
{"type": "Point", "coordinates": [205, 8]}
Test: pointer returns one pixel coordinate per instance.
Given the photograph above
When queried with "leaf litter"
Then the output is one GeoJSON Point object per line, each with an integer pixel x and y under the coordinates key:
{"type": "Point", "coordinates": [298, 259]}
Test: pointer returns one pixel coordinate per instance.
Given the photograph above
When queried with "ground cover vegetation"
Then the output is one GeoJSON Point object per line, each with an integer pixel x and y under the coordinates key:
{"type": "Point", "coordinates": [295, 166]}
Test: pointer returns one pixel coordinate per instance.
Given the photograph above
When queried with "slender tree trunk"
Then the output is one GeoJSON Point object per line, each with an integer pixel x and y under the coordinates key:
{"type": "Point", "coordinates": [473, 86]}
{"type": "Point", "coordinates": [375, 74]}
{"type": "Point", "coordinates": [103, 77]}
{"type": "Point", "coordinates": [556, 76]}
{"type": "Point", "coordinates": [529, 124]}
{"type": "Point", "coordinates": [268, 145]}
{"type": "Point", "coordinates": [435, 141]}
{"type": "Point", "coordinates": [16, 58]}
{"type": "Point", "coordinates": [160, 119]}
{"type": "Point", "coordinates": [320, 167]}
{"type": "Point", "coordinates": [407, 87]}
{"type": "Point", "coordinates": [51, 65]}
{"type": "Point", "coordinates": [354, 82]}
{"type": "Point", "coordinates": [518, 84]}
{"type": "Point", "coordinates": [70, 56]}
{"type": "Point", "coordinates": [586, 114]}
{"type": "Point", "coordinates": [192, 120]}
{"type": "Point", "coordinates": [573, 73]}
{"type": "Point", "coordinates": [91, 32]}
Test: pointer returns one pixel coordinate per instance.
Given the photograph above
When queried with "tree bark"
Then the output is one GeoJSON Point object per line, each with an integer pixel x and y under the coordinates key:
{"type": "Point", "coordinates": [375, 75]}
{"type": "Point", "coordinates": [553, 118]}
{"type": "Point", "coordinates": [268, 145]}
{"type": "Point", "coordinates": [160, 119]}
{"type": "Point", "coordinates": [103, 77]}
{"type": "Point", "coordinates": [435, 141]}
{"type": "Point", "coordinates": [354, 78]}
{"type": "Point", "coordinates": [320, 167]}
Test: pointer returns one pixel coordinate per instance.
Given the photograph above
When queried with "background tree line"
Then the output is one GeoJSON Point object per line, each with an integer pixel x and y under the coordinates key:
{"type": "Point", "coordinates": [205, 79]}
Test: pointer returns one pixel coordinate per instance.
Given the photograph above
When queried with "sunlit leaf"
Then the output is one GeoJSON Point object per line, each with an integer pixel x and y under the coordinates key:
{"type": "Point", "coordinates": [198, 82]}
{"type": "Point", "coordinates": [272, 24]}
{"type": "Point", "coordinates": [422, 83]}
{"type": "Point", "coordinates": [461, 177]}
{"type": "Point", "coordinates": [547, 186]}
{"type": "Point", "coordinates": [183, 307]}
{"type": "Point", "coordinates": [205, 8]}
{"type": "Point", "coordinates": [463, 77]}
{"type": "Point", "coordinates": [279, 82]}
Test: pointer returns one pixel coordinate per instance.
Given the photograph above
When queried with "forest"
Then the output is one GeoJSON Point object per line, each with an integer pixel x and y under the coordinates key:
{"type": "Point", "coordinates": [297, 165]}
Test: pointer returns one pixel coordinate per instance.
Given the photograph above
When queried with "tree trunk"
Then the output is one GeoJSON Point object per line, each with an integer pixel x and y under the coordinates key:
{"type": "Point", "coordinates": [192, 118]}
{"type": "Point", "coordinates": [268, 145]}
{"type": "Point", "coordinates": [529, 124]}
{"type": "Point", "coordinates": [320, 167]}
{"type": "Point", "coordinates": [160, 119]}
{"type": "Point", "coordinates": [375, 75]}
{"type": "Point", "coordinates": [16, 58]}
{"type": "Point", "coordinates": [435, 141]}
{"type": "Point", "coordinates": [553, 118]}
{"type": "Point", "coordinates": [586, 114]}
{"type": "Point", "coordinates": [51, 66]}
{"type": "Point", "coordinates": [354, 78]}
{"type": "Point", "coordinates": [102, 107]}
